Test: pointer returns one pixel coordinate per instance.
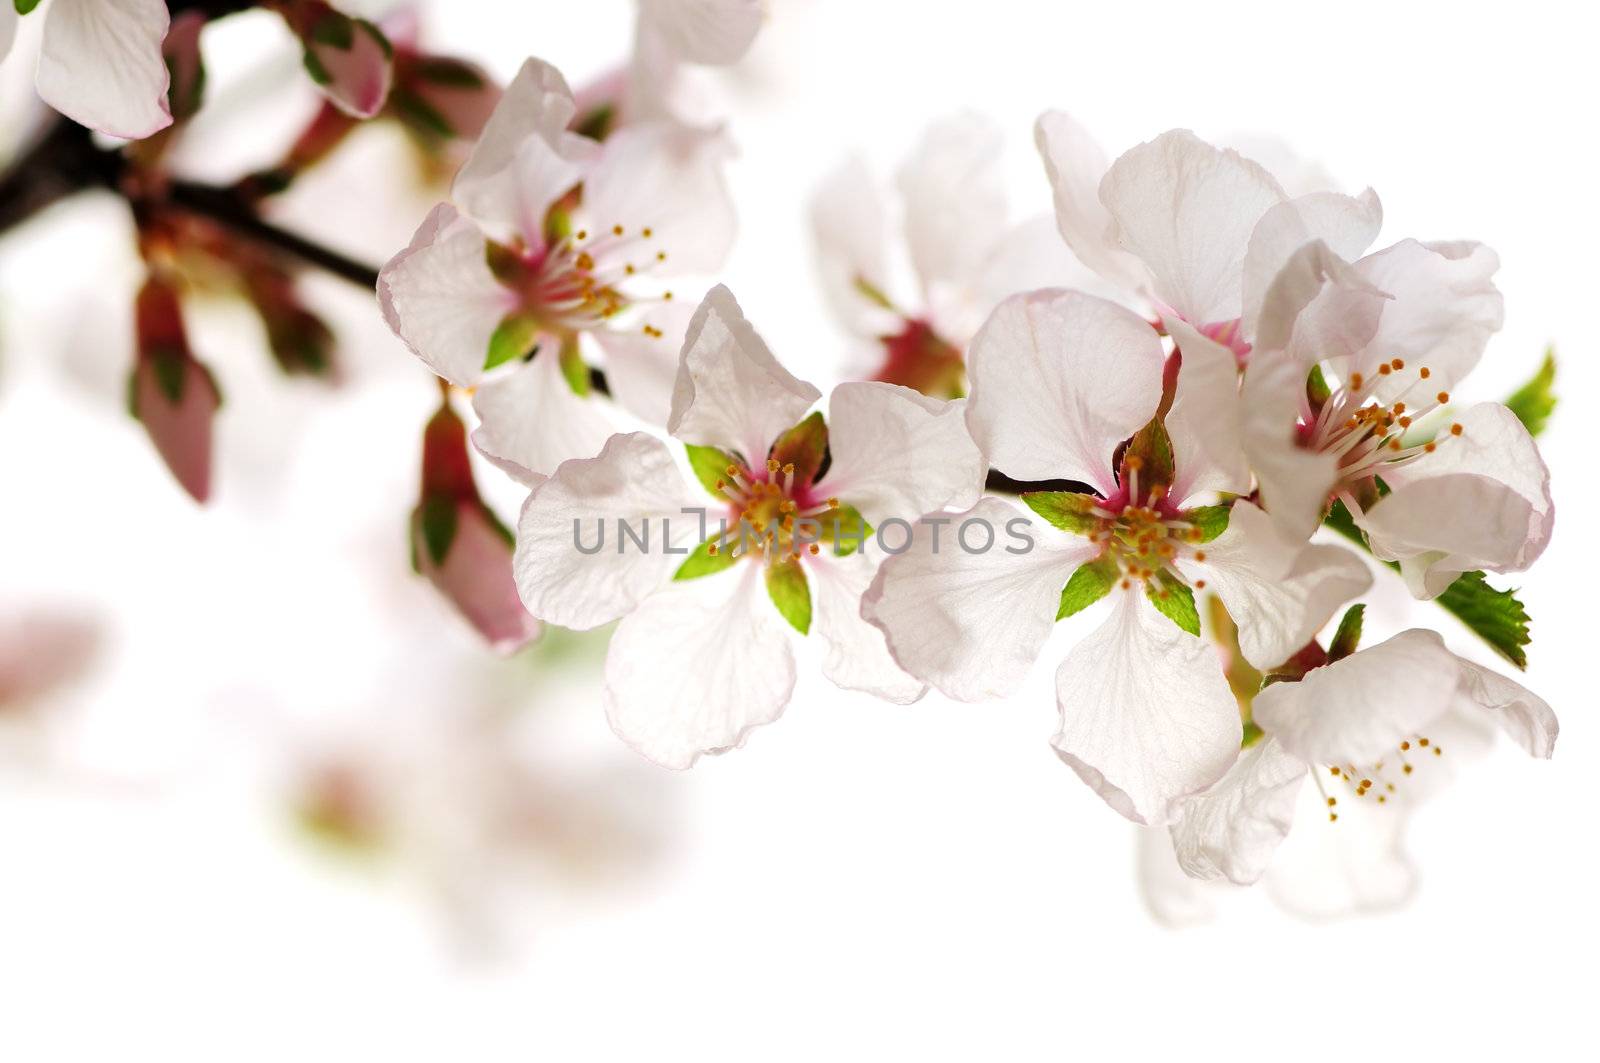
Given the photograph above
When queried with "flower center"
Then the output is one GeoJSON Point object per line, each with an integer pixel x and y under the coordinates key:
{"type": "Point", "coordinates": [771, 514]}
{"type": "Point", "coordinates": [1379, 780]}
{"type": "Point", "coordinates": [586, 278]}
{"type": "Point", "coordinates": [1367, 433]}
{"type": "Point", "coordinates": [1145, 537]}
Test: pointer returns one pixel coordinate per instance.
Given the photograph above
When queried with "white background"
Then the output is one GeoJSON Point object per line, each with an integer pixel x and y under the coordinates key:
{"type": "Point", "coordinates": [862, 881]}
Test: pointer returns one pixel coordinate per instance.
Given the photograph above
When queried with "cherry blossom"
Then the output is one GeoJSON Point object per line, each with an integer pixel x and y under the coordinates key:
{"type": "Point", "coordinates": [1062, 383]}
{"type": "Point", "coordinates": [702, 655]}
{"type": "Point", "coordinates": [556, 248]}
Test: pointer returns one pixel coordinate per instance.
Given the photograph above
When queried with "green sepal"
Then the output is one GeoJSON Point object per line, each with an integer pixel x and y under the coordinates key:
{"type": "Point", "coordinates": [513, 338]}
{"type": "Point", "coordinates": [1317, 390]}
{"type": "Point", "coordinates": [436, 518]}
{"type": "Point", "coordinates": [1152, 447]}
{"type": "Point", "coordinates": [844, 529]}
{"type": "Point", "coordinates": [597, 123]}
{"type": "Point", "coordinates": [574, 370]}
{"type": "Point", "coordinates": [447, 72]}
{"type": "Point", "coordinates": [1068, 510]}
{"type": "Point", "coordinates": [786, 586]}
{"type": "Point", "coordinates": [380, 38]}
{"type": "Point", "coordinates": [1348, 636]}
{"type": "Point", "coordinates": [25, 6]}
{"type": "Point", "coordinates": [1535, 401]}
{"type": "Point", "coordinates": [1252, 734]}
{"type": "Point", "coordinates": [1493, 615]}
{"type": "Point", "coordinates": [506, 263]}
{"type": "Point", "coordinates": [1211, 521]}
{"type": "Point", "coordinates": [1178, 603]}
{"type": "Point", "coordinates": [1088, 584]}
{"type": "Point", "coordinates": [318, 73]}
{"type": "Point", "coordinates": [420, 115]}
{"type": "Point", "coordinates": [710, 467]}
{"type": "Point", "coordinates": [702, 562]}
{"type": "Point", "coordinates": [335, 30]}
{"type": "Point", "coordinates": [802, 446]}
{"type": "Point", "coordinates": [171, 370]}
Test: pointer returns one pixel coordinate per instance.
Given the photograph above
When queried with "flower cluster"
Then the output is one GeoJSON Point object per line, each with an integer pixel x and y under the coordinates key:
{"type": "Point", "coordinates": [1202, 399]}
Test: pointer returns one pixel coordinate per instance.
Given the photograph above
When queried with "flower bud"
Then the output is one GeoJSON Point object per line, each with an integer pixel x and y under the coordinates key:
{"type": "Point", "coordinates": [459, 545]}
{"type": "Point", "coordinates": [170, 393]}
{"type": "Point", "coordinates": [349, 58]}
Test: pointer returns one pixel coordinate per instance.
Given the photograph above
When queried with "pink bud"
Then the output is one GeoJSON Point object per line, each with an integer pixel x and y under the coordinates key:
{"type": "Point", "coordinates": [349, 58]}
{"type": "Point", "coordinates": [181, 49]}
{"type": "Point", "coordinates": [170, 393]}
{"type": "Point", "coordinates": [476, 576]}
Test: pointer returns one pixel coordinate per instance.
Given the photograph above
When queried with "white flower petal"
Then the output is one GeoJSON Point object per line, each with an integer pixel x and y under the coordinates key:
{"type": "Point", "coordinates": [641, 367]}
{"type": "Point", "coordinates": [1059, 379]}
{"type": "Point", "coordinates": [1232, 830]}
{"type": "Point", "coordinates": [100, 64]}
{"type": "Point", "coordinates": [1293, 482]}
{"type": "Point", "coordinates": [1443, 311]}
{"type": "Point", "coordinates": [1173, 898]}
{"type": "Point", "coordinates": [899, 453]}
{"type": "Point", "coordinates": [1358, 710]}
{"type": "Point", "coordinates": [1317, 307]}
{"type": "Point", "coordinates": [1146, 715]}
{"type": "Point", "coordinates": [1441, 526]}
{"type": "Point", "coordinates": [712, 32]}
{"type": "Point", "coordinates": [1493, 445]}
{"type": "Point", "coordinates": [730, 390]}
{"type": "Point", "coordinates": [1278, 591]}
{"type": "Point", "coordinates": [858, 658]}
{"type": "Point", "coordinates": [1515, 709]}
{"type": "Point", "coordinates": [8, 28]}
{"type": "Point", "coordinates": [440, 298]}
{"type": "Point", "coordinates": [1204, 422]}
{"type": "Point", "coordinates": [698, 666]}
{"type": "Point", "coordinates": [525, 159]}
{"type": "Point", "coordinates": [849, 229]}
{"type": "Point", "coordinates": [666, 178]}
{"type": "Point", "coordinates": [973, 624]}
{"type": "Point", "coordinates": [1075, 165]}
{"type": "Point", "coordinates": [1346, 225]}
{"type": "Point", "coordinates": [1187, 210]}
{"type": "Point", "coordinates": [955, 201]}
{"type": "Point", "coordinates": [634, 479]}
{"type": "Point", "coordinates": [533, 421]}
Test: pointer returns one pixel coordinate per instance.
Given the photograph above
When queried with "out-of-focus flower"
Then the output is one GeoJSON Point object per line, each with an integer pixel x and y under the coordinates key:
{"type": "Point", "coordinates": [349, 59]}
{"type": "Point", "coordinates": [1364, 720]}
{"type": "Point", "coordinates": [966, 253]}
{"type": "Point", "coordinates": [554, 242]}
{"type": "Point", "coordinates": [171, 393]}
{"type": "Point", "coordinates": [1063, 384]}
{"type": "Point", "coordinates": [700, 659]}
{"type": "Point", "coordinates": [100, 61]}
{"type": "Point", "coordinates": [40, 652]}
{"type": "Point", "coordinates": [459, 544]}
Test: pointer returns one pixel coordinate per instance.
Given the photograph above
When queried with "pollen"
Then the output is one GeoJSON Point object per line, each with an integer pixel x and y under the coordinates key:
{"type": "Point", "coordinates": [1443, 397]}
{"type": "Point", "coordinates": [1456, 429]}
{"type": "Point", "coordinates": [616, 230]}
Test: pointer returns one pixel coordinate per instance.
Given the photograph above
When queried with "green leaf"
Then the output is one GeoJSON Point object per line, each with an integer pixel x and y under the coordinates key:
{"type": "Point", "coordinates": [511, 340]}
{"type": "Point", "coordinates": [25, 6]}
{"type": "Point", "coordinates": [1340, 520]}
{"type": "Point", "coordinates": [1067, 510]}
{"type": "Point", "coordinates": [845, 529]}
{"type": "Point", "coordinates": [1493, 615]}
{"type": "Point", "coordinates": [573, 368]}
{"type": "Point", "coordinates": [1535, 401]}
{"type": "Point", "coordinates": [1150, 451]}
{"type": "Point", "coordinates": [1088, 584]}
{"type": "Point", "coordinates": [786, 585]}
{"type": "Point", "coordinates": [702, 562]}
{"type": "Point", "coordinates": [1348, 636]}
{"type": "Point", "coordinates": [803, 447]}
{"type": "Point", "coordinates": [1175, 601]}
{"type": "Point", "coordinates": [437, 517]}
{"type": "Point", "coordinates": [710, 467]}
{"type": "Point", "coordinates": [1211, 520]}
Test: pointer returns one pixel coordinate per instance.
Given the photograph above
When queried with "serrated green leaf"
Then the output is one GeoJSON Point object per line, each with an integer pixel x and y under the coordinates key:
{"type": "Point", "coordinates": [1348, 636]}
{"type": "Point", "coordinates": [803, 447]}
{"type": "Point", "coordinates": [710, 467]}
{"type": "Point", "coordinates": [1535, 401]}
{"type": "Point", "coordinates": [844, 529]}
{"type": "Point", "coordinates": [1493, 615]}
{"type": "Point", "coordinates": [574, 370]}
{"type": "Point", "coordinates": [1068, 510]}
{"type": "Point", "coordinates": [1212, 521]}
{"type": "Point", "coordinates": [513, 338]}
{"type": "Point", "coordinates": [702, 562]}
{"type": "Point", "coordinates": [1088, 584]}
{"type": "Point", "coordinates": [436, 517]}
{"type": "Point", "coordinates": [787, 587]}
{"type": "Point", "coordinates": [1174, 600]}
